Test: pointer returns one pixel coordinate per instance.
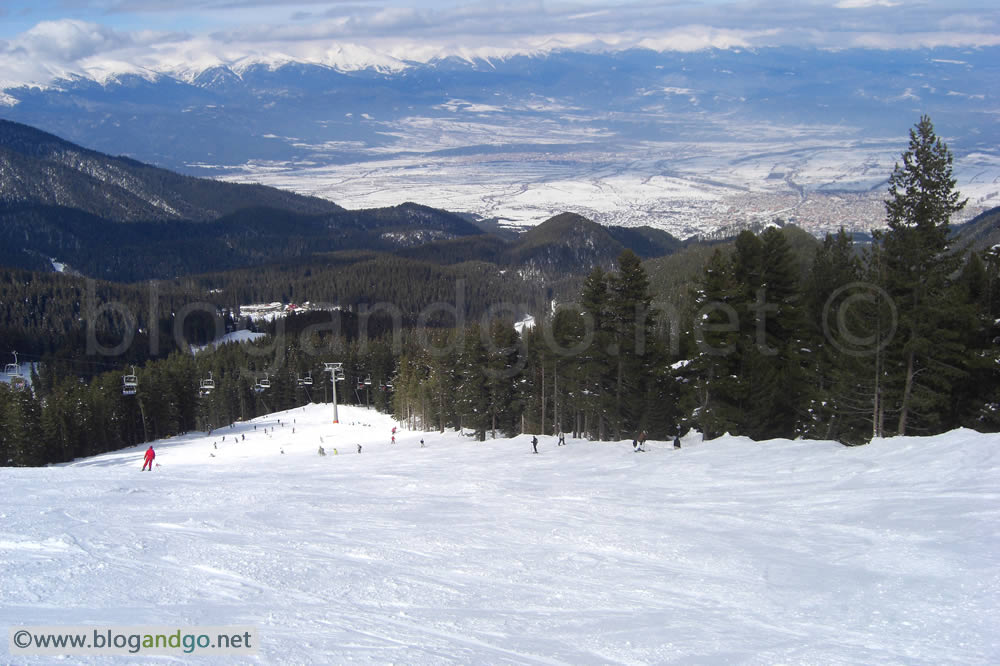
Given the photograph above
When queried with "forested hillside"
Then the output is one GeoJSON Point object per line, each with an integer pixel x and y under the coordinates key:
{"type": "Point", "coordinates": [40, 169]}
{"type": "Point", "coordinates": [770, 334]}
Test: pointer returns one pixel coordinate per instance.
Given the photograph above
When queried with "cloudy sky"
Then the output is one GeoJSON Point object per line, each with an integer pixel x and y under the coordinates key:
{"type": "Point", "coordinates": [40, 38]}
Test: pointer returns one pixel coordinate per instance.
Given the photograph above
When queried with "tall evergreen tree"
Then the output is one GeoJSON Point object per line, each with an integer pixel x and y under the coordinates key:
{"type": "Point", "coordinates": [976, 398]}
{"type": "Point", "coordinates": [917, 265]}
{"type": "Point", "coordinates": [716, 364]}
{"type": "Point", "coordinates": [597, 392]}
{"type": "Point", "coordinates": [503, 377]}
{"type": "Point", "coordinates": [472, 395]}
{"type": "Point", "coordinates": [21, 437]}
{"type": "Point", "coordinates": [843, 340]}
{"type": "Point", "coordinates": [632, 323]}
{"type": "Point", "coordinates": [779, 393]}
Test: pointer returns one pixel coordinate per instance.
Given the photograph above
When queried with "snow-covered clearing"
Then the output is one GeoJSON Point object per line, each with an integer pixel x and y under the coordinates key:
{"type": "Point", "coordinates": [239, 336]}
{"type": "Point", "coordinates": [727, 551]}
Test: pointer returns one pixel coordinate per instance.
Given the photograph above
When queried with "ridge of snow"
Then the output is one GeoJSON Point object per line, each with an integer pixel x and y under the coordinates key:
{"type": "Point", "coordinates": [190, 61]}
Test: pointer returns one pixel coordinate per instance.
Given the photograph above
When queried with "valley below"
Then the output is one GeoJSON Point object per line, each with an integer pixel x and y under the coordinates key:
{"type": "Point", "coordinates": [684, 188]}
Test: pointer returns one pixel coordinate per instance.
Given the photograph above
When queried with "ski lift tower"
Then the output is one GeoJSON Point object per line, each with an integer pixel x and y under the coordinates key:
{"type": "Point", "coordinates": [336, 375]}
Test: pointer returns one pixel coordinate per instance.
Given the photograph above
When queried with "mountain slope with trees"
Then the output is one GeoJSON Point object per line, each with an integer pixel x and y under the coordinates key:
{"type": "Point", "coordinates": [771, 335]}
{"type": "Point", "coordinates": [117, 219]}
{"type": "Point", "coordinates": [40, 169]}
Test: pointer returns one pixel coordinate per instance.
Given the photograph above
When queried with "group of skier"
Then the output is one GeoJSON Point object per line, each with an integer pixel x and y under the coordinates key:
{"type": "Point", "coordinates": [638, 445]}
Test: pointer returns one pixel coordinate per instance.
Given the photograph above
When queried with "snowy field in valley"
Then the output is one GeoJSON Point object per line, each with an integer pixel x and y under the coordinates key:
{"type": "Point", "coordinates": [821, 183]}
{"type": "Point", "coordinates": [727, 551]}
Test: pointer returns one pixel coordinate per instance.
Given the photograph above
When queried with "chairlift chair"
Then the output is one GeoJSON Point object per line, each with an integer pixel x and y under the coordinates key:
{"type": "Point", "coordinates": [336, 370]}
{"type": "Point", "coordinates": [13, 369]}
{"type": "Point", "coordinates": [207, 384]}
{"type": "Point", "coordinates": [308, 379]}
{"type": "Point", "coordinates": [265, 383]}
{"type": "Point", "coordinates": [130, 383]}
{"type": "Point", "coordinates": [368, 380]}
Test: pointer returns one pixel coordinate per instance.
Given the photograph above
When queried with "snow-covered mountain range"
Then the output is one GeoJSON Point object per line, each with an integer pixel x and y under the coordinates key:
{"type": "Point", "coordinates": [681, 140]}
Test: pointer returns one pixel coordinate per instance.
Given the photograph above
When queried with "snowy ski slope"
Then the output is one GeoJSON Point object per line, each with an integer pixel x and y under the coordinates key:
{"type": "Point", "coordinates": [727, 551]}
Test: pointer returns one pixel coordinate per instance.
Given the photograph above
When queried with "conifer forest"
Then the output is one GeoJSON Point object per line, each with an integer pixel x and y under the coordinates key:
{"type": "Point", "coordinates": [769, 333]}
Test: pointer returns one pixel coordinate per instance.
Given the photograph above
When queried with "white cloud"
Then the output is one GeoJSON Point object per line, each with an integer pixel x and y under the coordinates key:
{"type": "Point", "coordinates": [864, 4]}
{"type": "Point", "coordinates": [67, 40]}
{"type": "Point", "coordinates": [699, 37]}
{"type": "Point", "coordinates": [923, 40]}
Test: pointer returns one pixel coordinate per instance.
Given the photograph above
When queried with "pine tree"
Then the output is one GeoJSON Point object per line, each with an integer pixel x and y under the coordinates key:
{"type": "Point", "coordinates": [779, 394]}
{"type": "Point", "coordinates": [472, 396]}
{"type": "Point", "coordinates": [716, 364]}
{"type": "Point", "coordinates": [843, 318]}
{"type": "Point", "coordinates": [21, 436]}
{"type": "Point", "coordinates": [632, 325]}
{"type": "Point", "coordinates": [597, 392]}
{"type": "Point", "coordinates": [504, 375]}
{"type": "Point", "coordinates": [914, 248]}
{"type": "Point", "coordinates": [976, 398]}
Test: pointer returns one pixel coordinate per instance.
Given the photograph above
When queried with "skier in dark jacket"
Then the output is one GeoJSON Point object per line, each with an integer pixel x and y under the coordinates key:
{"type": "Point", "coordinates": [677, 441]}
{"type": "Point", "coordinates": [534, 443]}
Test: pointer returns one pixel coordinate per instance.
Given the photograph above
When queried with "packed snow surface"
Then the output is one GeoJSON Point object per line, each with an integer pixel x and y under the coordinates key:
{"type": "Point", "coordinates": [727, 551]}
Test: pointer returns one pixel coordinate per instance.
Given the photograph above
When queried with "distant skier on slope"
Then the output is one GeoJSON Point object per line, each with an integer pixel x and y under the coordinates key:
{"type": "Point", "coordinates": [534, 443]}
{"type": "Point", "coordinates": [677, 441]}
{"type": "Point", "coordinates": [562, 439]}
{"type": "Point", "coordinates": [148, 459]}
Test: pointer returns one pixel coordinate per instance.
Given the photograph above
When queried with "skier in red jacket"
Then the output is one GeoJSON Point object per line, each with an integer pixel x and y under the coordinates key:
{"type": "Point", "coordinates": [148, 460]}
